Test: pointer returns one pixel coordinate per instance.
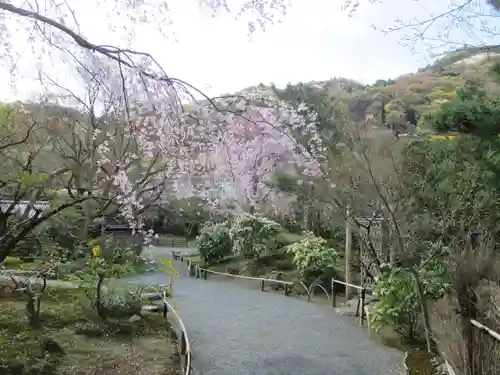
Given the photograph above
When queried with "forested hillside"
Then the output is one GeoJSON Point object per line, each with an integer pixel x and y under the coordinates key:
{"type": "Point", "coordinates": [400, 103]}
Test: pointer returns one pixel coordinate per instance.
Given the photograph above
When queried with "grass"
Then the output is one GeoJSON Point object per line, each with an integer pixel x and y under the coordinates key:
{"type": "Point", "coordinates": [15, 263]}
{"type": "Point", "coordinates": [74, 341]}
{"type": "Point", "coordinates": [67, 270]}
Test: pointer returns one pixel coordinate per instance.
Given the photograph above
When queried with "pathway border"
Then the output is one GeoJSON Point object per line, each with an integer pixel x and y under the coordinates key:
{"type": "Point", "coordinates": [199, 272]}
{"type": "Point", "coordinates": [184, 346]}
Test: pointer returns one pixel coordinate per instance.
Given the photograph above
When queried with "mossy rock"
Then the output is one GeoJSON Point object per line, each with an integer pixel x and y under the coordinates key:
{"type": "Point", "coordinates": [233, 270]}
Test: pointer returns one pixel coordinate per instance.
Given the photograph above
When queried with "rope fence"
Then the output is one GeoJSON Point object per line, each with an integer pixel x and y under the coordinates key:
{"type": "Point", "coordinates": [195, 270]}
{"type": "Point", "coordinates": [171, 241]}
{"type": "Point", "coordinates": [184, 347]}
{"type": "Point", "coordinates": [361, 306]}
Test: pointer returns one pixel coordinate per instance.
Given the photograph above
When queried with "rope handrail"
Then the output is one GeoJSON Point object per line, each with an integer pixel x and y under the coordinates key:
{"type": "Point", "coordinates": [247, 277]}
{"type": "Point", "coordinates": [185, 346]}
{"type": "Point", "coordinates": [482, 327]}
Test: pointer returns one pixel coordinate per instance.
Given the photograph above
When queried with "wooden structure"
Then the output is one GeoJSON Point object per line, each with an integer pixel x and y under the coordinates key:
{"type": "Point", "coordinates": [20, 207]}
{"type": "Point", "coordinates": [119, 234]}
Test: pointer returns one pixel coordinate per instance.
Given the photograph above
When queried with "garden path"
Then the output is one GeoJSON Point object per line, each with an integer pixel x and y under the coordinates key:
{"type": "Point", "coordinates": [235, 330]}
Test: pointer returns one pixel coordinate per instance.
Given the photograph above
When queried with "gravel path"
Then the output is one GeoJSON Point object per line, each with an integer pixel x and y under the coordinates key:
{"type": "Point", "coordinates": [235, 331]}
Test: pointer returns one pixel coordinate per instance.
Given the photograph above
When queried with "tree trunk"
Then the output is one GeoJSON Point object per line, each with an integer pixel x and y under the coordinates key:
{"type": "Point", "coordinates": [467, 304]}
{"type": "Point", "coordinates": [98, 303]}
{"type": "Point", "coordinates": [425, 310]}
{"type": "Point", "coordinates": [33, 312]}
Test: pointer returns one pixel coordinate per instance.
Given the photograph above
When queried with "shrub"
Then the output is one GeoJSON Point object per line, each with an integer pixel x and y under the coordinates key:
{"type": "Point", "coordinates": [398, 301]}
{"type": "Point", "coordinates": [215, 242]}
{"type": "Point", "coordinates": [285, 265]}
{"type": "Point", "coordinates": [285, 238]}
{"type": "Point", "coordinates": [102, 263]}
{"type": "Point", "coordinates": [28, 248]}
{"type": "Point", "coordinates": [120, 303]}
{"type": "Point", "coordinates": [253, 235]}
{"type": "Point", "coordinates": [312, 256]}
{"type": "Point", "coordinates": [65, 232]}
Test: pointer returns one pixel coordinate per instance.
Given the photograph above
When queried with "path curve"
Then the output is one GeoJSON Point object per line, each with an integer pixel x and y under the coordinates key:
{"type": "Point", "coordinates": [240, 331]}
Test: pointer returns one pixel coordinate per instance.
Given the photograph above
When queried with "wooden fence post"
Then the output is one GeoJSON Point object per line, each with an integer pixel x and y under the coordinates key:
{"type": "Point", "coordinates": [334, 294]}
{"type": "Point", "coordinates": [348, 255]}
{"type": "Point", "coordinates": [262, 285]}
{"type": "Point", "coordinates": [183, 343]}
{"type": "Point", "coordinates": [165, 310]}
{"type": "Point", "coordinates": [362, 315]}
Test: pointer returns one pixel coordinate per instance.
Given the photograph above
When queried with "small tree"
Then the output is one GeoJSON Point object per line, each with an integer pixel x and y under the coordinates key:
{"type": "Point", "coordinates": [252, 235]}
{"type": "Point", "coordinates": [399, 302]}
{"type": "Point", "coordinates": [110, 303]}
{"type": "Point", "coordinates": [215, 242]}
{"type": "Point", "coordinates": [33, 288]}
{"type": "Point", "coordinates": [312, 256]}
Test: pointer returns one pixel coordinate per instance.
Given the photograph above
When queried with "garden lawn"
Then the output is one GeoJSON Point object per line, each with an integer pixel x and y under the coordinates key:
{"type": "Point", "coordinates": [15, 263]}
{"type": "Point", "coordinates": [68, 271]}
{"type": "Point", "coordinates": [75, 341]}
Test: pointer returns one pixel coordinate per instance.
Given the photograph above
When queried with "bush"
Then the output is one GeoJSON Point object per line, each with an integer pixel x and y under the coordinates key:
{"type": "Point", "coordinates": [65, 231]}
{"type": "Point", "coordinates": [312, 257]}
{"type": "Point", "coordinates": [285, 265]}
{"type": "Point", "coordinates": [28, 248]}
{"type": "Point", "coordinates": [399, 303]}
{"type": "Point", "coordinates": [215, 242]}
{"type": "Point", "coordinates": [121, 303]}
{"type": "Point", "coordinates": [253, 235]}
{"type": "Point", "coordinates": [285, 238]}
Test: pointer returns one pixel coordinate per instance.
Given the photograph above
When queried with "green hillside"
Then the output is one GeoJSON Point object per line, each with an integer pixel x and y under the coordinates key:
{"type": "Point", "coordinates": [399, 103]}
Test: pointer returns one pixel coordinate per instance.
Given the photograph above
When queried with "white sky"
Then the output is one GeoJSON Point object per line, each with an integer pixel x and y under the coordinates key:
{"type": "Point", "coordinates": [315, 41]}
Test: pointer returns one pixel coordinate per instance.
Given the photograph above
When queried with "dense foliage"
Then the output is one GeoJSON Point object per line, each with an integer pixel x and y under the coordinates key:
{"type": "Point", "coordinates": [253, 235]}
{"type": "Point", "coordinates": [147, 157]}
{"type": "Point", "coordinates": [312, 256]}
{"type": "Point", "coordinates": [398, 300]}
{"type": "Point", "coordinates": [215, 242]}
{"type": "Point", "coordinates": [449, 214]}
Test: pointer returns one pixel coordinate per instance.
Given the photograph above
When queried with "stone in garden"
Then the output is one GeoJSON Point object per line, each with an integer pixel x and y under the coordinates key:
{"type": "Point", "coordinates": [134, 318]}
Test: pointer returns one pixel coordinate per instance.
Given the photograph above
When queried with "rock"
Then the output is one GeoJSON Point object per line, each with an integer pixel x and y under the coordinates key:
{"type": "Point", "coordinates": [152, 308]}
{"type": "Point", "coordinates": [151, 296]}
{"type": "Point", "coordinates": [134, 318]}
{"type": "Point", "coordinates": [51, 347]}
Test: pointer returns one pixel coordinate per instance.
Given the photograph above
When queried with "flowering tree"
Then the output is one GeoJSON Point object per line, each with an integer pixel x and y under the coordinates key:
{"type": "Point", "coordinates": [250, 137]}
{"type": "Point", "coordinates": [149, 105]}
